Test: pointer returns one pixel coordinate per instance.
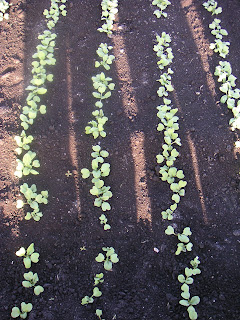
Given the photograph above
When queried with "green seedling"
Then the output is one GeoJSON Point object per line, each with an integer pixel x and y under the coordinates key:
{"type": "Point", "coordinates": [29, 255]}
{"type": "Point", "coordinates": [96, 127]}
{"type": "Point", "coordinates": [211, 6]}
{"type": "Point", "coordinates": [103, 220]}
{"type": "Point", "coordinates": [187, 280]}
{"type": "Point", "coordinates": [31, 281]}
{"type": "Point", "coordinates": [99, 314]}
{"type": "Point", "coordinates": [4, 6]}
{"type": "Point", "coordinates": [52, 15]}
{"type": "Point", "coordinates": [169, 126]}
{"type": "Point", "coordinates": [109, 11]}
{"type": "Point", "coordinates": [164, 53]}
{"type": "Point", "coordinates": [33, 199]}
{"type": "Point", "coordinates": [23, 142]}
{"type": "Point", "coordinates": [162, 5]}
{"type": "Point", "coordinates": [96, 293]}
{"type": "Point", "coordinates": [102, 85]}
{"type": "Point", "coordinates": [23, 313]}
{"type": "Point", "coordinates": [110, 258]}
{"type": "Point", "coordinates": [100, 169]}
{"type": "Point", "coordinates": [184, 244]}
{"type": "Point", "coordinates": [98, 279]}
{"type": "Point", "coordinates": [224, 73]}
{"type": "Point", "coordinates": [106, 58]}
{"type": "Point", "coordinates": [165, 80]}
{"type": "Point", "coordinates": [27, 164]}
{"type": "Point", "coordinates": [220, 47]}
{"type": "Point", "coordinates": [217, 31]}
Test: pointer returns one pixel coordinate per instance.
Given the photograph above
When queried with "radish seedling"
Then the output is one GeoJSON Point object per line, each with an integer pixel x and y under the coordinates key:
{"type": "Point", "coordinates": [217, 31]}
{"type": "Point", "coordinates": [100, 169]}
{"type": "Point", "coordinates": [109, 11]}
{"type": "Point", "coordinates": [23, 142]}
{"type": "Point", "coordinates": [30, 281]}
{"type": "Point", "coordinates": [187, 280]}
{"type": "Point", "coordinates": [98, 279]}
{"type": "Point", "coordinates": [23, 313]}
{"type": "Point", "coordinates": [53, 13]}
{"type": "Point", "coordinates": [33, 200]}
{"type": "Point", "coordinates": [106, 58]}
{"type": "Point", "coordinates": [184, 244]}
{"type": "Point", "coordinates": [211, 6]}
{"type": "Point", "coordinates": [99, 314]}
{"type": "Point", "coordinates": [29, 255]}
{"type": "Point", "coordinates": [110, 258]}
{"type": "Point", "coordinates": [103, 87]}
{"type": "Point", "coordinates": [162, 5]}
{"type": "Point", "coordinates": [27, 165]}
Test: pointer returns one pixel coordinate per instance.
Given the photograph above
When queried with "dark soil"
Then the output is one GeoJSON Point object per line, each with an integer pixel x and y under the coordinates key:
{"type": "Point", "coordinates": [143, 285]}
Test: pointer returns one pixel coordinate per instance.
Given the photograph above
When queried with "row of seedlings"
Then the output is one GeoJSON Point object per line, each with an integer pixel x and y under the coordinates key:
{"type": "Point", "coordinates": [100, 169]}
{"type": "Point", "coordinates": [27, 164]}
{"type": "Point", "coordinates": [224, 70]}
{"type": "Point", "coordinates": [168, 171]}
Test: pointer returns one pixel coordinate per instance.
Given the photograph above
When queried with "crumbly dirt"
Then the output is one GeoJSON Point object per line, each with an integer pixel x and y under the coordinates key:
{"type": "Point", "coordinates": [143, 285]}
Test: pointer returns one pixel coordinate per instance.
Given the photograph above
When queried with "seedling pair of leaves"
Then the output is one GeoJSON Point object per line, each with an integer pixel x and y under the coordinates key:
{"type": "Point", "coordinates": [29, 255]}
{"type": "Point", "coordinates": [27, 165]}
{"type": "Point", "coordinates": [109, 11]}
{"type": "Point", "coordinates": [108, 258]}
{"type": "Point", "coordinates": [31, 281]}
{"type": "Point", "coordinates": [98, 279]}
{"type": "Point", "coordinates": [99, 169]}
{"type": "Point", "coordinates": [106, 58]}
{"type": "Point", "coordinates": [52, 15]}
{"type": "Point", "coordinates": [23, 312]}
{"type": "Point", "coordinates": [212, 6]}
{"type": "Point", "coordinates": [4, 5]}
{"type": "Point", "coordinates": [184, 245]}
{"type": "Point", "coordinates": [162, 5]}
{"type": "Point", "coordinates": [33, 199]}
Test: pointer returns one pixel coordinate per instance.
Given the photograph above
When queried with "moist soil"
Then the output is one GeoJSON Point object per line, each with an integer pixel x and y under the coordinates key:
{"type": "Point", "coordinates": [143, 285]}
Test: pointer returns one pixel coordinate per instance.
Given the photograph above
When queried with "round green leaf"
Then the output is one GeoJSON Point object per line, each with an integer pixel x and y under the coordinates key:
{"type": "Point", "coordinates": [169, 231]}
{"type": "Point", "coordinates": [100, 257]}
{"type": "Point", "coordinates": [27, 262]}
{"type": "Point", "coordinates": [15, 312]}
{"type": "Point", "coordinates": [106, 206]}
{"type": "Point", "coordinates": [38, 290]}
{"type": "Point", "coordinates": [35, 257]}
{"type": "Point", "coordinates": [85, 173]}
{"type": "Point", "coordinates": [108, 265]}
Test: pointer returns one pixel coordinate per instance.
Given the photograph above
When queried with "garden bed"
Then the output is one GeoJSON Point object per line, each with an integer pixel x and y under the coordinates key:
{"type": "Point", "coordinates": [143, 285]}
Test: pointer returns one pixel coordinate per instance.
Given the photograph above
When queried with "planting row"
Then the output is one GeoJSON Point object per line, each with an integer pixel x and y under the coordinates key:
{"type": "Point", "coordinates": [27, 164]}
{"type": "Point", "coordinates": [103, 87]}
{"type": "Point", "coordinates": [168, 172]}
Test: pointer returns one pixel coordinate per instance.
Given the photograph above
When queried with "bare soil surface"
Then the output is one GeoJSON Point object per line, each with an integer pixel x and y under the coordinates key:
{"type": "Point", "coordinates": [143, 285]}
